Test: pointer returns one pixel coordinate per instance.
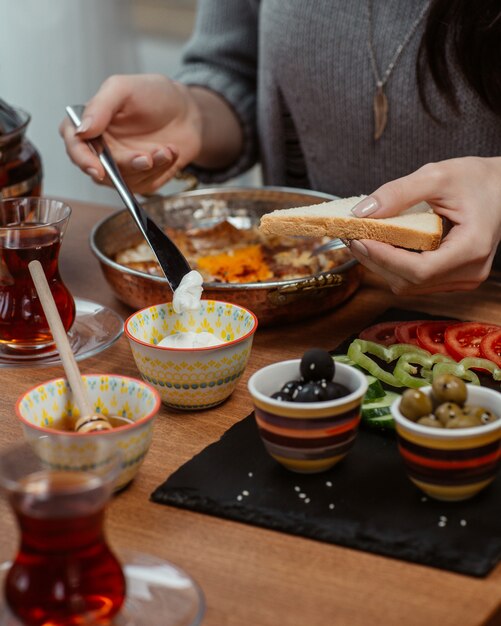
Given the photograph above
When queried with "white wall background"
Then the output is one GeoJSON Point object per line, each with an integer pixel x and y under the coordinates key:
{"type": "Point", "coordinates": [58, 52]}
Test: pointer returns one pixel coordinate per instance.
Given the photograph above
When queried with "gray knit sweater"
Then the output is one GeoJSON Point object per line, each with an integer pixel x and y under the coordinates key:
{"type": "Point", "coordinates": [299, 76]}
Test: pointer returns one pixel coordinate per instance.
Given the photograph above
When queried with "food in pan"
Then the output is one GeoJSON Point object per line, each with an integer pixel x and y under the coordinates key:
{"type": "Point", "coordinates": [227, 254]}
{"type": "Point", "coordinates": [417, 228]}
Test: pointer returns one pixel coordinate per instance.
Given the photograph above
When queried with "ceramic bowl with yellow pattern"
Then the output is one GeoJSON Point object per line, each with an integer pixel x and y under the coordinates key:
{"type": "Point", "coordinates": [306, 437]}
{"type": "Point", "coordinates": [452, 463]}
{"type": "Point", "coordinates": [48, 410]}
{"type": "Point", "coordinates": [192, 378]}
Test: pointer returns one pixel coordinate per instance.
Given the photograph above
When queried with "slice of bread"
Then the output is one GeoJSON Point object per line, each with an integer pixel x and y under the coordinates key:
{"type": "Point", "coordinates": [417, 228]}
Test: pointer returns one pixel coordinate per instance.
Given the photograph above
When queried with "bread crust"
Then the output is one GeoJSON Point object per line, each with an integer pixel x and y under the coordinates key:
{"type": "Point", "coordinates": [404, 236]}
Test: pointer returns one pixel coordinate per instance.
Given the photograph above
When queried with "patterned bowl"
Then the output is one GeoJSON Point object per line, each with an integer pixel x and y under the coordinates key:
{"type": "Point", "coordinates": [192, 378]}
{"type": "Point", "coordinates": [43, 410]}
{"type": "Point", "coordinates": [306, 437]}
{"type": "Point", "coordinates": [451, 464]}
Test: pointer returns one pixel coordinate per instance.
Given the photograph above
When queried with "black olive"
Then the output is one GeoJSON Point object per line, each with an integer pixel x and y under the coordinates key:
{"type": "Point", "coordinates": [278, 395]}
{"type": "Point", "coordinates": [289, 388]}
{"type": "Point", "coordinates": [332, 390]}
{"type": "Point", "coordinates": [317, 364]}
{"type": "Point", "coordinates": [309, 392]}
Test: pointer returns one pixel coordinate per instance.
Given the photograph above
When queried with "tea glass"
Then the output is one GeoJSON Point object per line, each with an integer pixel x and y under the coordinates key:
{"type": "Point", "coordinates": [64, 572]}
{"type": "Point", "coordinates": [31, 228]}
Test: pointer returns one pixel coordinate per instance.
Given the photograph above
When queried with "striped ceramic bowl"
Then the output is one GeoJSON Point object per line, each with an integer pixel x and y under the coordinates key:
{"type": "Point", "coordinates": [452, 464]}
{"type": "Point", "coordinates": [306, 437]}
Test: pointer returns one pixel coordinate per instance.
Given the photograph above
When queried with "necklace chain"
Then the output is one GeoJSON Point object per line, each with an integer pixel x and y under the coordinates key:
{"type": "Point", "coordinates": [381, 81]}
{"type": "Point", "coordinates": [380, 99]}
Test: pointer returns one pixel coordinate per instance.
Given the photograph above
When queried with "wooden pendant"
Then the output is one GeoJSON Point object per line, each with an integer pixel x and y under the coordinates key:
{"type": "Point", "coordinates": [380, 112]}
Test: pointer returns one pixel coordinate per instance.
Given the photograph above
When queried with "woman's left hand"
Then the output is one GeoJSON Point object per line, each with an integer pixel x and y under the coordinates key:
{"type": "Point", "coordinates": [466, 191]}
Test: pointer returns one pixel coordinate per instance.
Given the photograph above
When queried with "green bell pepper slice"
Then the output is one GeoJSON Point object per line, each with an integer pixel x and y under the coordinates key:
{"type": "Point", "coordinates": [360, 349]}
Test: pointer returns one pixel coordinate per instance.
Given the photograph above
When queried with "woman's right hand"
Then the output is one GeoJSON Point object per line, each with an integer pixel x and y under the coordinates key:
{"type": "Point", "coordinates": [152, 125]}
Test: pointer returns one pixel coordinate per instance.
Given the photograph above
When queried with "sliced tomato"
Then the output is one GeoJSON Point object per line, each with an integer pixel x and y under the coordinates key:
{"type": "Point", "coordinates": [464, 339]}
{"type": "Point", "coordinates": [430, 336]}
{"type": "Point", "coordinates": [383, 333]}
{"type": "Point", "coordinates": [490, 347]}
{"type": "Point", "coordinates": [406, 332]}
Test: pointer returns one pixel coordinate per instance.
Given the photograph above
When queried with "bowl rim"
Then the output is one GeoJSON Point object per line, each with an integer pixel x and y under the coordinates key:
{"type": "Point", "coordinates": [210, 285]}
{"type": "Point", "coordinates": [118, 429]}
{"type": "Point", "coordinates": [354, 395]}
{"type": "Point", "coordinates": [130, 337]}
{"type": "Point", "coordinates": [445, 433]}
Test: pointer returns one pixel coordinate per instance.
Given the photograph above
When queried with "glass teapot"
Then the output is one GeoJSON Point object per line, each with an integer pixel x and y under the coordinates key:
{"type": "Point", "coordinates": [20, 162]}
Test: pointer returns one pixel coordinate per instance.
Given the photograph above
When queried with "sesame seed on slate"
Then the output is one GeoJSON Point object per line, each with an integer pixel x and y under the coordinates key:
{"type": "Point", "coordinates": [245, 492]}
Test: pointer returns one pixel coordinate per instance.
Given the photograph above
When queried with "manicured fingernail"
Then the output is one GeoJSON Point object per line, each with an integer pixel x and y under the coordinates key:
{"type": "Point", "coordinates": [85, 125]}
{"type": "Point", "coordinates": [140, 163]}
{"type": "Point", "coordinates": [159, 157]}
{"type": "Point", "coordinates": [357, 246]}
{"type": "Point", "coordinates": [94, 173]}
{"type": "Point", "coordinates": [174, 150]}
{"type": "Point", "coordinates": [365, 207]}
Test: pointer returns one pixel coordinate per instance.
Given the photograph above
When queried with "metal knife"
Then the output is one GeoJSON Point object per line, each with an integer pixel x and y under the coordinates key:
{"type": "Point", "coordinates": [170, 258]}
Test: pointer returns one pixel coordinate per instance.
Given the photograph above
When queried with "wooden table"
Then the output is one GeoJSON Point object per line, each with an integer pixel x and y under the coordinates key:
{"type": "Point", "coordinates": [252, 576]}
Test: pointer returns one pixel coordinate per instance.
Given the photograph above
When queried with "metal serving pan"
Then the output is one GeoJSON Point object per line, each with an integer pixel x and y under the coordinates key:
{"type": "Point", "coordinates": [272, 301]}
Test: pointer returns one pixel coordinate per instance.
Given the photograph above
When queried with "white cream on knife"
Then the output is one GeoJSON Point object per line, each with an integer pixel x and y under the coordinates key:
{"type": "Point", "coordinates": [187, 298]}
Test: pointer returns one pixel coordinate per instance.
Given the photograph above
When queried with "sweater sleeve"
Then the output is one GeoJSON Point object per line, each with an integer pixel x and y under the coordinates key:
{"type": "Point", "coordinates": [222, 56]}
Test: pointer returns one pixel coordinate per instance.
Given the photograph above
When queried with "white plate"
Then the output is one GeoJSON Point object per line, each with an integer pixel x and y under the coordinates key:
{"type": "Point", "coordinates": [95, 328]}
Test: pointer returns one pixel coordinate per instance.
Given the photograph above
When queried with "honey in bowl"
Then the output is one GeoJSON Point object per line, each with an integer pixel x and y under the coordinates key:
{"type": "Point", "coordinates": [92, 423]}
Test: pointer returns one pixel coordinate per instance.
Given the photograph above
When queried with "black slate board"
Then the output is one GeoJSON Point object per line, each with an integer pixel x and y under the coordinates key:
{"type": "Point", "coordinates": [366, 502]}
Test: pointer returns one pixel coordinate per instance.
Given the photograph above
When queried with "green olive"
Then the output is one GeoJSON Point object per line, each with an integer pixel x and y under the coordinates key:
{"type": "Point", "coordinates": [486, 416]}
{"type": "Point", "coordinates": [463, 421]}
{"type": "Point", "coordinates": [415, 404]}
{"type": "Point", "coordinates": [430, 420]}
{"type": "Point", "coordinates": [447, 411]}
{"type": "Point", "coordinates": [449, 388]}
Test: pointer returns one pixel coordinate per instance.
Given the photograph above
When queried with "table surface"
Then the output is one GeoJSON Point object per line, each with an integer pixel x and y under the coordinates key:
{"type": "Point", "coordinates": [250, 575]}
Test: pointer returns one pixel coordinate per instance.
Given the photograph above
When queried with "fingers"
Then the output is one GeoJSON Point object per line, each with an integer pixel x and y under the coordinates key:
{"type": "Point", "coordinates": [99, 111]}
{"type": "Point", "coordinates": [104, 105]}
{"type": "Point", "coordinates": [419, 273]}
{"type": "Point", "coordinates": [80, 153]}
{"type": "Point", "coordinates": [426, 183]}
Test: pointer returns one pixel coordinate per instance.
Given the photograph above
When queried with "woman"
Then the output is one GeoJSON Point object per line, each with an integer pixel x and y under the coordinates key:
{"type": "Point", "coordinates": [339, 97]}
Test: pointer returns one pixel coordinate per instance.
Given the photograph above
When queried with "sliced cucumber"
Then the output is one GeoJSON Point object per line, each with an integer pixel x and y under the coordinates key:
{"type": "Point", "coordinates": [385, 422]}
{"type": "Point", "coordinates": [375, 390]}
{"type": "Point", "coordinates": [378, 413]}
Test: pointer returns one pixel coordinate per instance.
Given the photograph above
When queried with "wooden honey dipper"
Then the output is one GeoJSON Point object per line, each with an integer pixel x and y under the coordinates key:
{"type": "Point", "coordinates": [89, 420]}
